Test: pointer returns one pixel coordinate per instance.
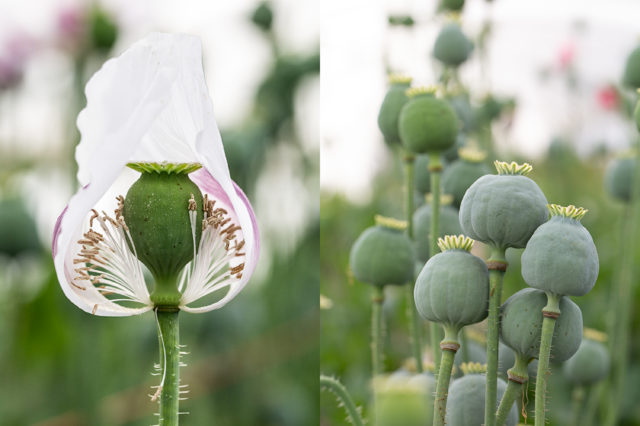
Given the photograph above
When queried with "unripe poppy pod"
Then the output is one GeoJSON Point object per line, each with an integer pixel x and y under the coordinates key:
{"type": "Point", "coordinates": [618, 177]}
{"type": "Point", "coordinates": [427, 124]}
{"type": "Point", "coordinates": [503, 210]}
{"type": "Point", "coordinates": [391, 106]}
{"type": "Point", "coordinates": [404, 400]}
{"type": "Point", "coordinates": [589, 364]}
{"type": "Point", "coordinates": [451, 5]}
{"type": "Point", "coordinates": [452, 47]}
{"type": "Point", "coordinates": [383, 254]}
{"type": "Point", "coordinates": [449, 225]}
{"type": "Point", "coordinates": [561, 257]}
{"type": "Point", "coordinates": [521, 325]}
{"type": "Point", "coordinates": [453, 287]}
{"type": "Point", "coordinates": [458, 176]}
{"type": "Point", "coordinates": [631, 75]}
{"type": "Point", "coordinates": [465, 404]}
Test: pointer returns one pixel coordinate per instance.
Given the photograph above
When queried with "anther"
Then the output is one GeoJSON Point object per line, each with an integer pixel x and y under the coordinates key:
{"type": "Point", "coordinates": [192, 204]}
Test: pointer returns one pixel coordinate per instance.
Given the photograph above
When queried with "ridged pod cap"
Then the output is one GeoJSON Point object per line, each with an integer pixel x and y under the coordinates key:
{"type": "Point", "coordinates": [383, 255]}
{"type": "Point", "coordinates": [458, 176]}
{"type": "Point", "coordinates": [589, 364]}
{"type": "Point", "coordinates": [427, 124]}
{"type": "Point", "coordinates": [561, 257]}
{"type": "Point", "coordinates": [503, 210]}
{"type": "Point", "coordinates": [404, 400]}
{"type": "Point", "coordinates": [631, 75]}
{"type": "Point", "coordinates": [618, 177]}
{"type": "Point", "coordinates": [452, 47]}
{"type": "Point", "coordinates": [453, 287]}
{"type": "Point", "coordinates": [521, 325]}
{"type": "Point", "coordinates": [391, 106]}
{"type": "Point", "coordinates": [449, 225]}
{"type": "Point", "coordinates": [465, 404]}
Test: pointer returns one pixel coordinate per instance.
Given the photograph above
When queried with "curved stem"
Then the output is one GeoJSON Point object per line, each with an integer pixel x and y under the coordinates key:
{"type": "Point", "coordinates": [497, 265]}
{"type": "Point", "coordinates": [518, 376]}
{"type": "Point", "coordinates": [333, 385]}
{"type": "Point", "coordinates": [412, 313]}
{"type": "Point", "coordinates": [376, 330]}
{"type": "Point", "coordinates": [449, 347]}
{"type": "Point", "coordinates": [435, 168]}
{"type": "Point", "coordinates": [550, 312]}
{"type": "Point", "coordinates": [168, 334]}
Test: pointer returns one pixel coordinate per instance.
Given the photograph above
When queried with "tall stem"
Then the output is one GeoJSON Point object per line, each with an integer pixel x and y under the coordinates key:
{"type": "Point", "coordinates": [592, 404]}
{"type": "Point", "coordinates": [414, 319]}
{"type": "Point", "coordinates": [338, 389]}
{"type": "Point", "coordinates": [435, 168]}
{"type": "Point", "coordinates": [518, 376]}
{"type": "Point", "coordinates": [577, 398]}
{"type": "Point", "coordinates": [376, 330]}
{"type": "Point", "coordinates": [550, 312]}
{"type": "Point", "coordinates": [497, 265]}
{"type": "Point", "coordinates": [168, 334]}
{"type": "Point", "coordinates": [449, 346]}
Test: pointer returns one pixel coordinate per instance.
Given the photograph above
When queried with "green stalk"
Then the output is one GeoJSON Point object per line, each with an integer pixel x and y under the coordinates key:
{"type": "Point", "coordinates": [518, 376]}
{"type": "Point", "coordinates": [577, 398]}
{"type": "Point", "coordinates": [435, 168]}
{"type": "Point", "coordinates": [593, 397]}
{"type": "Point", "coordinates": [550, 312]}
{"type": "Point", "coordinates": [333, 385]}
{"type": "Point", "coordinates": [449, 346]}
{"type": "Point", "coordinates": [376, 330]}
{"type": "Point", "coordinates": [412, 313]}
{"type": "Point", "coordinates": [168, 334]}
{"type": "Point", "coordinates": [497, 265]}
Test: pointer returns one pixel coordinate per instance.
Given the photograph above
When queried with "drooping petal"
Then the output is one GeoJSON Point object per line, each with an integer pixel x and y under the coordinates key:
{"type": "Point", "coordinates": [150, 104]}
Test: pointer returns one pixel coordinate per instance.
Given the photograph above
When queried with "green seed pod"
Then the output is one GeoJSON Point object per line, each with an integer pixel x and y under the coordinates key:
{"type": "Point", "coordinates": [18, 230]}
{"type": "Point", "coordinates": [262, 16]}
{"type": "Point", "coordinates": [503, 210]}
{"type": "Point", "coordinates": [521, 325]}
{"type": "Point", "coordinates": [458, 176]}
{"type": "Point", "coordinates": [391, 106]}
{"type": "Point", "coordinates": [427, 124]}
{"type": "Point", "coordinates": [476, 354]}
{"type": "Point", "coordinates": [422, 176]}
{"type": "Point", "coordinates": [465, 405]}
{"type": "Point", "coordinates": [449, 225]}
{"type": "Point", "coordinates": [156, 211]}
{"type": "Point", "coordinates": [561, 257]}
{"type": "Point", "coordinates": [589, 364]}
{"type": "Point", "coordinates": [506, 358]}
{"type": "Point", "coordinates": [404, 400]}
{"type": "Point", "coordinates": [631, 75]}
{"type": "Point", "coordinates": [452, 47]}
{"type": "Point", "coordinates": [461, 105]}
{"type": "Point", "coordinates": [450, 5]}
{"type": "Point", "coordinates": [453, 287]}
{"type": "Point", "coordinates": [451, 154]}
{"type": "Point", "coordinates": [618, 177]}
{"type": "Point", "coordinates": [103, 29]}
{"type": "Point", "coordinates": [383, 254]}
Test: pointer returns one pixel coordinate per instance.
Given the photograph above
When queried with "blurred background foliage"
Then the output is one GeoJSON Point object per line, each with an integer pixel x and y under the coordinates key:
{"type": "Point", "coordinates": [253, 362]}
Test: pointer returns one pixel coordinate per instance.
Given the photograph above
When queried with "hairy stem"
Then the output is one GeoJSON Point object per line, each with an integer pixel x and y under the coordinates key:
{"type": "Point", "coordinates": [412, 313]}
{"type": "Point", "coordinates": [449, 346]}
{"type": "Point", "coordinates": [333, 385]}
{"type": "Point", "coordinates": [550, 312]}
{"type": "Point", "coordinates": [168, 334]}
{"type": "Point", "coordinates": [497, 265]}
{"type": "Point", "coordinates": [518, 376]}
{"type": "Point", "coordinates": [376, 330]}
{"type": "Point", "coordinates": [435, 169]}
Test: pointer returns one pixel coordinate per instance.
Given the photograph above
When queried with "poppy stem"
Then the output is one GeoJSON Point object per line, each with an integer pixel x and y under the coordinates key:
{"type": "Point", "coordinates": [169, 388]}
{"type": "Point", "coordinates": [449, 347]}
{"type": "Point", "coordinates": [435, 169]}
{"type": "Point", "coordinates": [517, 376]}
{"type": "Point", "coordinates": [376, 330]}
{"type": "Point", "coordinates": [550, 312]}
{"type": "Point", "coordinates": [333, 385]}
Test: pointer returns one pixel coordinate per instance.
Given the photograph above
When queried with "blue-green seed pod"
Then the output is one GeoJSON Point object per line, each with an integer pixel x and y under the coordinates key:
{"type": "Point", "coordinates": [422, 176]}
{"type": "Point", "coordinates": [618, 177]}
{"type": "Point", "coordinates": [453, 287]}
{"type": "Point", "coordinates": [383, 255]}
{"type": "Point", "coordinates": [589, 364]}
{"type": "Point", "coordinates": [476, 353]}
{"type": "Point", "coordinates": [427, 124]}
{"type": "Point", "coordinates": [631, 75]}
{"type": "Point", "coordinates": [404, 400]}
{"type": "Point", "coordinates": [465, 405]}
{"type": "Point", "coordinates": [452, 47]}
{"type": "Point", "coordinates": [503, 210]}
{"type": "Point", "coordinates": [506, 358]}
{"type": "Point", "coordinates": [391, 106]}
{"type": "Point", "coordinates": [449, 225]}
{"type": "Point", "coordinates": [561, 257]}
{"type": "Point", "coordinates": [458, 176]}
{"type": "Point", "coordinates": [521, 325]}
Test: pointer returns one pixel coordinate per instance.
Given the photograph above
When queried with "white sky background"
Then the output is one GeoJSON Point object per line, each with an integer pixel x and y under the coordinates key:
{"type": "Point", "coordinates": [527, 36]}
{"type": "Point", "coordinates": [236, 58]}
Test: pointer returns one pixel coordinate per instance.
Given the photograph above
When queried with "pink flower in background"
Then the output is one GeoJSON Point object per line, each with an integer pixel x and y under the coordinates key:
{"type": "Point", "coordinates": [607, 98]}
{"type": "Point", "coordinates": [16, 51]}
{"type": "Point", "coordinates": [71, 27]}
{"type": "Point", "coordinates": [566, 55]}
